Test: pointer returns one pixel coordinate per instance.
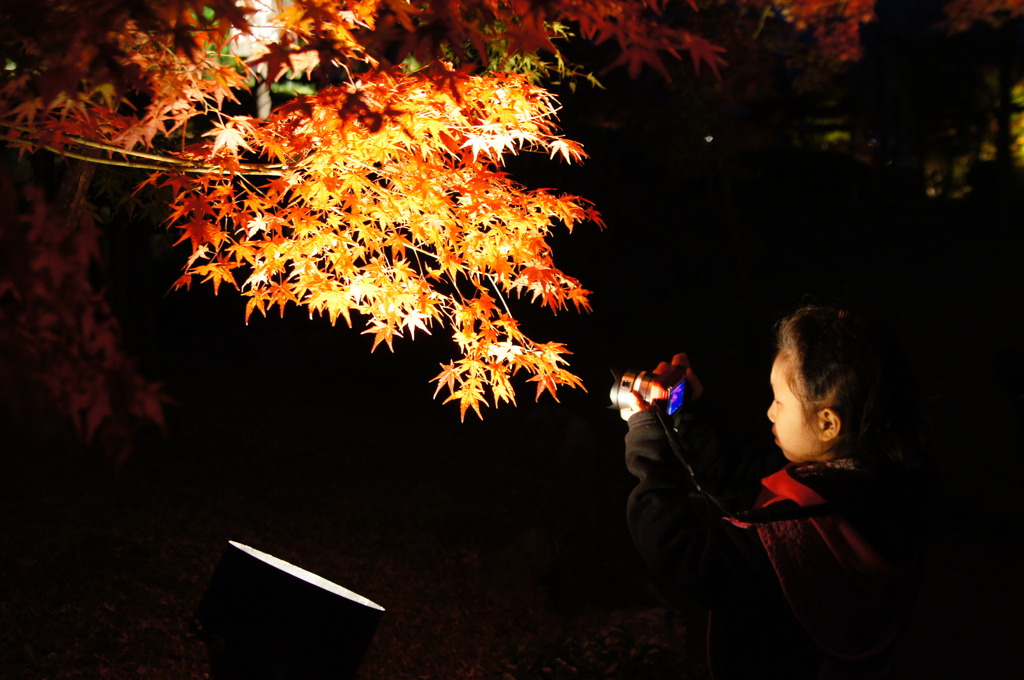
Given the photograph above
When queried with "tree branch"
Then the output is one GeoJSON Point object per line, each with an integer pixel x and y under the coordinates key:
{"type": "Point", "coordinates": [159, 162]}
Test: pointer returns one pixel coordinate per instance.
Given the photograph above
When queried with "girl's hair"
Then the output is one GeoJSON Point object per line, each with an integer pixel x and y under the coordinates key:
{"type": "Point", "coordinates": [848, 364]}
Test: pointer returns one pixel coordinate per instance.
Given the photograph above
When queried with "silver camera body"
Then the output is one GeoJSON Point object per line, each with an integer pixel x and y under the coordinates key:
{"type": "Point", "coordinates": [642, 383]}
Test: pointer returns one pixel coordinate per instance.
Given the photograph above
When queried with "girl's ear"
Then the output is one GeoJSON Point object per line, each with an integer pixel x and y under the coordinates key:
{"type": "Point", "coordinates": [829, 425]}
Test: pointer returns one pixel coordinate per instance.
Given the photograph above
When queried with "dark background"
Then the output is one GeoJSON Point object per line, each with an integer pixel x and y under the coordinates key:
{"type": "Point", "coordinates": [481, 537]}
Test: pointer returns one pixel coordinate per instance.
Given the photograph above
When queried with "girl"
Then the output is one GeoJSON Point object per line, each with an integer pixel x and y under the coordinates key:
{"type": "Point", "coordinates": [815, 579]}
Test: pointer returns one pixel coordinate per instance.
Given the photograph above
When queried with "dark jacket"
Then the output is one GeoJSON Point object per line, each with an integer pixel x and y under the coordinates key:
{"type": "Point", "coordinates": [817, 584]}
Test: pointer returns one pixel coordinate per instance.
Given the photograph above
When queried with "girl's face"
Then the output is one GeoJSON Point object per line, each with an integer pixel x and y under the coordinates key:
{"type": "Point", "coordinates": [799, 439]}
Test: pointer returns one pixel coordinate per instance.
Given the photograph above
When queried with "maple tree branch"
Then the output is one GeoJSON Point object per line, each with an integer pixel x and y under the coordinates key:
{"type": "Point", "coordinates": [103, 161]}
{"type": "Point", "coordinates": [318, 206]}
{"type": "Point", "coordinates": [160, 162]}
{"type": "Point", "coordinates": [165, 163]}
{"type": "Point", "coordinates": [274, 170]}
{"type": "Point", "coordinates": [497, 291]}
{"type": "Point", "coordinates": [81, 141]}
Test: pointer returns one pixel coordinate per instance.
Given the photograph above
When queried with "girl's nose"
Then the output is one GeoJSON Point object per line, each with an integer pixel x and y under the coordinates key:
{"type": "Point", "coordinates": [771, 412]}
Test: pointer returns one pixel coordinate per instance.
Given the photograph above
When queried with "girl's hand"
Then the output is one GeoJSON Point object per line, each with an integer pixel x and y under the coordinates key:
{"type": "Point", "coordinates": [668, 374]}
{"type": "Point", "coordinates": [693, 384]}
{"type": "Point", "coordinates": [636, 405]}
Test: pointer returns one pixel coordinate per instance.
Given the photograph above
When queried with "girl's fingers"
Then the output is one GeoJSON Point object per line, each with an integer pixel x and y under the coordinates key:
{"type": "Point", "coordinates": [681, 360]}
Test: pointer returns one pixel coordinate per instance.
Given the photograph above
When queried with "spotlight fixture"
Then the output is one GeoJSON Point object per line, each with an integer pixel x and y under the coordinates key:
{"type": "Point", "coordinates": [262, 618]}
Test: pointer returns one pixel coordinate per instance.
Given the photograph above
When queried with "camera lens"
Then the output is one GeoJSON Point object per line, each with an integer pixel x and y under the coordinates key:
{"type": "Point", "coordinates": [628, 382]}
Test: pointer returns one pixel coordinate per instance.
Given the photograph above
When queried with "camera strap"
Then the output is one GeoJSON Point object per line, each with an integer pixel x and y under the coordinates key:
{"type": "Point", "coordinates": [763, 515]}
{"type": "Point", "coordinates": [675, 445]}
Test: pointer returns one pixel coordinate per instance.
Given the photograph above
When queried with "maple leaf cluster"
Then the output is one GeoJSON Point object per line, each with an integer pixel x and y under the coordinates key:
{"type": "Point", "coordinates": [380, 198]}
{"type": "Point", "coordinates": [56, 324]}
{"type": "Point", "coordinates": [400, 215]}
{"type": "Point", "coordinates": [114, 72]}
{"type": "Point", "coordinates": [382, 194]}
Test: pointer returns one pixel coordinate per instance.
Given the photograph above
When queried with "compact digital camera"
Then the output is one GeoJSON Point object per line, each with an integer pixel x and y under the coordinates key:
{"type": "Point", "coordinates": [643, 382]}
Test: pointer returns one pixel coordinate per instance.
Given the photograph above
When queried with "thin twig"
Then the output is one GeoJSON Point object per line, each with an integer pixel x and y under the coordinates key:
{"type": "Point", "coordinates": [200, 169]}
{"type": "Point", "coordinates": [275, 170]}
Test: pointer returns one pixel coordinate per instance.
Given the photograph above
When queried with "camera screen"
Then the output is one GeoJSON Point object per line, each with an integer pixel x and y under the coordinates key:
{"type": "Point", "coordinates": [675, 398]}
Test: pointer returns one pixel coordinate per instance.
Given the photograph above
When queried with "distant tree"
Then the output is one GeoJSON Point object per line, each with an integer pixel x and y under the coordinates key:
{"type": "Point", "coordinates": [1001, 23]}
{"type": "Point", "coordinates": [926, 92]}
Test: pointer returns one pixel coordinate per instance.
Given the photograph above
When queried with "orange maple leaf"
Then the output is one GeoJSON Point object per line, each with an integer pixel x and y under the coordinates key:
{"type": "Point", "coordinates": [704, 51]}
{"type": "Point", "coordinates": [230, 135]}
{"type": "Point", "coordinates": [469, 395]}
{"type": "Point", "coordinates": [545, 383]}
{"type": "Point", "coordinates": [447, 378]}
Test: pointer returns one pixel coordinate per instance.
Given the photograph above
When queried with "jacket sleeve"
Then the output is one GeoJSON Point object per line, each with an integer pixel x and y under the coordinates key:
{"type": "Point", "coordinates": [690, 549]}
